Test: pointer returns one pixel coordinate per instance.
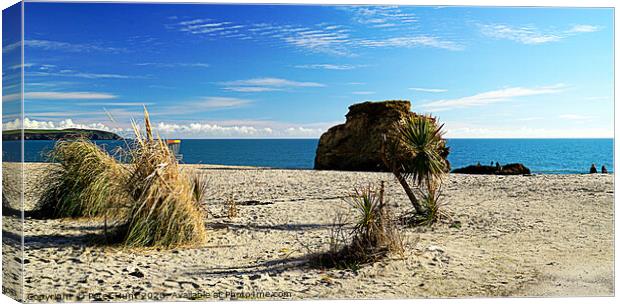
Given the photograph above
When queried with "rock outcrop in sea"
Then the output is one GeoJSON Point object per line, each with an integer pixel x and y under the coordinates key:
{"type": "Point", "coordinates": [509, 169]}
{"type": "Point", "coordinates": [53, 134]}
{"type": "Point", "coordinates": [356, 144]}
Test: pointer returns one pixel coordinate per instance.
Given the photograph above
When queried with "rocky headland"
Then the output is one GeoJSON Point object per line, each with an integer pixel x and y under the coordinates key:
{"type": "Point", "coordinates": [49, 134]}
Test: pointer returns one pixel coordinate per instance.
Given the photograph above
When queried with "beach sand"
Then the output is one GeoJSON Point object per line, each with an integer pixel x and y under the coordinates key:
{"type": "Point", "coordinates": [543, 235]}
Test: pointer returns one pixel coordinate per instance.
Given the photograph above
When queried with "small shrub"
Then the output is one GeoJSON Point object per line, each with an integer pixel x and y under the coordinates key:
{"type": "Point", "coordinates": [373, 236]}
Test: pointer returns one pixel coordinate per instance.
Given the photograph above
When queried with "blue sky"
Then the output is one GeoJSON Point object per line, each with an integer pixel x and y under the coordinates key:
{"type": "Point", "coordinates": [208, 71]}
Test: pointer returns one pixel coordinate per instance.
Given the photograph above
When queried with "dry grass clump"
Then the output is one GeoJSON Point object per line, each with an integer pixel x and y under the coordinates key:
{"type": "Point", "coordinates": [166, 210]}
{"type": "Point", "coordinates": [373, 236]}
{"type": "Point", "coordinates": [87, 182]}
{"type": "Point", "coordinates": [153, 202]}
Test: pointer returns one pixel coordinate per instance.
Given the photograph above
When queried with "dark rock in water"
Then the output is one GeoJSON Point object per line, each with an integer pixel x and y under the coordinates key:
{"type": "Point", "coordinates": [604, 170]}
{"type": "Point", "coordinates": [510, 169]}
{"type": "Point", "coordinates": [514, 169]}
{"type": "Point", "coordinates": [593, 169]}
{"type": "Point", "coordinates": [356, 144]}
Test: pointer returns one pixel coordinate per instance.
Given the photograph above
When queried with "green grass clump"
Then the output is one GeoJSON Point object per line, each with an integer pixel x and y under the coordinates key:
{"type": "Point", "coordinates": [87, 182]}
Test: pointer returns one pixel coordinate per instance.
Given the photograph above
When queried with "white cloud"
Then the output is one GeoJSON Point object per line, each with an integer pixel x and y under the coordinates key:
{"type": "Point", "coordinates": [584, 28]}
{"type": "Point", "coordinates": [19, 66]}
{"type": "Point", "coordinates": [412, 41]}
{"type": "Point", "coordinates": [531, 34]}
{"type": "Point", "coordinates": [527, 129]}
{"type": "Point", "coordinates": [526, 132]}
{"type": "Point", "coordinates": [199, 105]}
{"type": "Point", "coordinates": [327, 66]}
{"type": "Point", "coordinates": [11, 97]}
{"type": "Point", "coordinates": [303, 132]}
{"type": "Point", "coordinates": [51, 84]}
{"type": "Point", "coordinates": [226, 129]}
{"type": "Point", "coordinates": [576, 117]}
{"type": "Point", "coordinates": [50, 70]}
{"type": "Point", "coordinates": [11, 47]}
{"type": "Point", "coordinates": [330, 42]}
{"type": "Point", "coordinates": [72, 73]}
{"type": "Point", "coordinates": [194, 21]}
{"type": "Point", "coordinates": [334, 39]}
{"type": "Point", "coordinates": [174, 65]}
{"type": "Point", "coordinates": [427, 90]}
{"type": "Point", "coordinates": [375, 16]}
{"type": "Point", "coordinates": [67, 95]}
{"type": "Point", "coordinates": [272, 82]}
{"type": "Point", "coordinates": [63, 124]}
{"type": "Point", "coordinates": [115, 104]}
{"type": "Point", "coordinates": [69, 47]}
{"type": "Point", "coordinates": [251, 89]}
{"type": "Point", "coordinates": [490, 97]}
{"type": "Point", "coordinates": [525, 35]}
{"type": "Point", "coordinates": [204, 130]}
{"type": "Point", "coordinates": [530, 118]}
{"type": "Point", "coordinates": [383, 25]}
{"type": "Point", "coordinates": [219, 103]}
{"type": "Point", "coordinates": [596, 98]}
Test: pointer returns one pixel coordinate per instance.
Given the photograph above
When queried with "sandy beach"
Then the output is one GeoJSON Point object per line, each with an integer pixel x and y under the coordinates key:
{"type": "Point", "coordinates": [542, 235]}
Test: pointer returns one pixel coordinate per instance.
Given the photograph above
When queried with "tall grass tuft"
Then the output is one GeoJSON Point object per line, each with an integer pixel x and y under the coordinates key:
{"type": "Point", "coordinates": [166, 210]}
{"type": "Point", "coordinates": [87, 182]}
{"type": "Point", "coordinates": [374, 231]}
{"type": "Point", "coordinates": [200, 187]}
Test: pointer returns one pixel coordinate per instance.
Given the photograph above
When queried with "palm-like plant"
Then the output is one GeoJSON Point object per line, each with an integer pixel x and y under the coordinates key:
{"type": "Point", "coordinates": [416, 151]}
{"type": "Point", "coordinates": [369, 207]}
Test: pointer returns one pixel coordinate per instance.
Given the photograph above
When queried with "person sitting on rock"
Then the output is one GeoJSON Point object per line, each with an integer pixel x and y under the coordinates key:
{"type": "Point", "coordinates": [593, 169]}
{"type": "Point", "coordinates": [604, 170]}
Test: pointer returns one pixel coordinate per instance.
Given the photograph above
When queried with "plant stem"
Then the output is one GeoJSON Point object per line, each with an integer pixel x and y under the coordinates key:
{"type": "Point", "coordinates": [409, 192]}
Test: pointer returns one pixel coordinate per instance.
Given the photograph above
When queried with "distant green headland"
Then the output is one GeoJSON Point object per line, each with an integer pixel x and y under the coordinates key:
{"type": "Point", "coordinates": [52, 134]}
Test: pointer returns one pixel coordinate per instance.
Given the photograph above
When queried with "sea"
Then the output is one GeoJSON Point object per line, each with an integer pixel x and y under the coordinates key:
{"type": "Point", "coordinates": [543, 156]}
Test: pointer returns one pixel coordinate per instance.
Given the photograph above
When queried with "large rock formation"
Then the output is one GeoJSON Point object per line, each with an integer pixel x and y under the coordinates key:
{"type": "Point", "coordinates": [509, 169]}
{"type": "Point", "coordinates": [356, 144]}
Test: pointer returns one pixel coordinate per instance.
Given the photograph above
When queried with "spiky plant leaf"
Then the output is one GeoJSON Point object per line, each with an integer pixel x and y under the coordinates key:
{"type": "Point", "coordinates": [422, 140]}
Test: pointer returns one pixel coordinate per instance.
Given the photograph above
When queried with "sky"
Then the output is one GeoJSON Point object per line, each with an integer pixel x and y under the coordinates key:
{"type": "Point", "coordinates": [265, 71]}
